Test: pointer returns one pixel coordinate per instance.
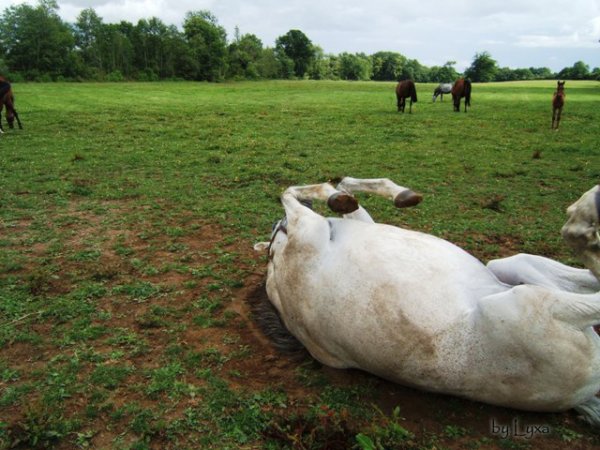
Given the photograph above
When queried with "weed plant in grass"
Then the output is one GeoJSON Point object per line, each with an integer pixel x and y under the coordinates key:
{"type": "Point", "coordinates": [127, 216]}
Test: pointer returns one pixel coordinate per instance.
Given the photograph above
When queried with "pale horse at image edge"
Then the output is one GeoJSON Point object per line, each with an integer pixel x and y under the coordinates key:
{"type": "Point", "coordinates": [420, 311]}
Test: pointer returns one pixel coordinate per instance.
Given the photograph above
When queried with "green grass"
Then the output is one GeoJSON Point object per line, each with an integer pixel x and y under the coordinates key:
{"type": "Point", "coordinates": [127, 217]}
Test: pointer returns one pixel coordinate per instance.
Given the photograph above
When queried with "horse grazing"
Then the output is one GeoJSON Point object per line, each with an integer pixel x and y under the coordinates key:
{"type": "Point", "coordinates": [558, 101]}
{"type": "Point", "coordinates": [404, 90]}
{"type": "Point", "coordinates": [461, 88]}
{"type": "Point", "coordinates": [418, 310]}
{"type": "Point", "coordinates": [441, 89]}
{"type": "Point", "coordinates": [7, 99]}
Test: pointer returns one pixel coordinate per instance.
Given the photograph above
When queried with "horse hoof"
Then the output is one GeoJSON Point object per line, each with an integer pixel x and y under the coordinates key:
{"type": "Point", "coordinates": [407, 198]}
{"type": "Point", "coordinates": [342, 203]}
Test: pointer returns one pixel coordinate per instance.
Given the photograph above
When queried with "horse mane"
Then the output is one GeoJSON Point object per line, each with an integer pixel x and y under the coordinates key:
{"type": "Point", "coordinates": [269, 321]}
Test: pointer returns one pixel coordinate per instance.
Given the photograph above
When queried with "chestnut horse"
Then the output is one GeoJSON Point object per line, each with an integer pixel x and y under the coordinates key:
{"type": "Point", "coordinates": [406, 89]}
{"type": "Point", "coordinates": [7, 99]}
{"type": "Point", "coordinates": [558, 101]}
{"type": "Point", "coordinates": [461, 88]}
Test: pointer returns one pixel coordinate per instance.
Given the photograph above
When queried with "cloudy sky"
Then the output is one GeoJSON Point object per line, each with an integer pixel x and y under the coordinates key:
{"type": "Point", "coordinates": [517, 33]}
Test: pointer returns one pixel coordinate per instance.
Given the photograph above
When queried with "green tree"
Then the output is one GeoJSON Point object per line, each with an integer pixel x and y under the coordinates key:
{"type": "Point", "coordinates": [88, 33]}
{"type": "Point", "coordinates": [244, 55]}
{"type": "Point", "coordinates": [414, 70]}
{"type": "Point", "coordinates": [387, 66]}
{"type": "Point", "coordinates": [483, 68]}
{"type": "Point", "coordinates": [579, 71]}
{"type": "Point", "coordinates": [296, 46]}
{"type": "Point", "coordinates": [208, 44]}
{"type": "Point", "coordinates": [36, 42]}
{"type": "Point", "coordinates": [541, 73]}
{"type": "Point", "coordinates": [323, 67]}
{"type": "Point", "coordinates": [354, 66]}
{"type": "Point", "coordinates": [271, 65]}
{"type": "Point", "coordinates": [444, 74]}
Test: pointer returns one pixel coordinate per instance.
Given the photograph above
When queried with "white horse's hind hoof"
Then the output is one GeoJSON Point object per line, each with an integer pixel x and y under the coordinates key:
{"type": "Point", "coordinates": [407, 198]}
{"type": "Point", "coordinates": [590, 411]}
{"type": "Point", "coordinates": [342, 203]}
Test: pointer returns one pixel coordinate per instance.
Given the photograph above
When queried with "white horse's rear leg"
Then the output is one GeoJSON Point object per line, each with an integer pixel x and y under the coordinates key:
{"type": "Point", "coordinates": [400, 195]}
{"type": "Point", "coordinates": [540, 271]}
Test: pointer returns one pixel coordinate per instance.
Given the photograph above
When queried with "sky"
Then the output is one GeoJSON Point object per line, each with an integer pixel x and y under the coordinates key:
{"type": "Point", "coordinates": [516, 33]}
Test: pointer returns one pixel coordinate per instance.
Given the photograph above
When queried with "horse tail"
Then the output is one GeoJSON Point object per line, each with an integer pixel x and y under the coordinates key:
{"type": "Point", "coordinates": [467, 92]}
{"type": "Point", "coordinates": [413, 93]}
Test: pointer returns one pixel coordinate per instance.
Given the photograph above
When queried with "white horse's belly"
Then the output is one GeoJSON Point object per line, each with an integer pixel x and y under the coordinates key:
{"type": "Point", "coordinates": [362, 302]}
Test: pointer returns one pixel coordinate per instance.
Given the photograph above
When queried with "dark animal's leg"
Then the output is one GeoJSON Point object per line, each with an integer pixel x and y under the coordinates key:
{"type": "Point", "coordinates": [558, 117]}
{"type": "Point", "coordinates": [553, 117]}
{"type": "Point", "coordinates": [1, 129]}
{"type": "Point", "coordinates": [410, 106]}
{"type": "Point", "coordinates": [398, 101]}
{"type": "Point", "coordinates": [18, 120]}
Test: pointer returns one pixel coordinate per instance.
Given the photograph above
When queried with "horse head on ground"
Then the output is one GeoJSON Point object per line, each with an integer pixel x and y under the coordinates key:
{"type": "Point", "coordinates": [418, 310]}
{"type": "Point", "coordinates": [7, 99]}
{"type": "Point", "coordinates": [461, 88]}
{"type": "Point", "coordinates": [441, 89]}
{"type": "Point", "coordinates": [558, 101]}
{"type": "Point", "coordinates": [406, 89]}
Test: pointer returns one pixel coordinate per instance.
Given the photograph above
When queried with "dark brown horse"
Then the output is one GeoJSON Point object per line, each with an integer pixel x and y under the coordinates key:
{"type": "Point", "coordinates": [558, 101]}
{"type": "Point", "coordinates": [7, 99]}
{"type": "Point", "coordinates": [461, 88]}
{"type": "Point", "coordinates": [404, 90]}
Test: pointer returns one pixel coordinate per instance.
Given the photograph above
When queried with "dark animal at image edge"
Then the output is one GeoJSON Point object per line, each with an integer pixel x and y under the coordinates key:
{"type": "Point", "coordinates": [406, 89]}
{"type": "Point", "coordinates": [558, 101]}
{"type": "Point", "coordinates": [462, 88]}
{"type": "Point", "coordinates": [7, 99]}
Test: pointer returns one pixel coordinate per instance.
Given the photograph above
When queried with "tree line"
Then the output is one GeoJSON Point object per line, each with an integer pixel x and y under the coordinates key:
{"type": "Point", "coordinates": [37, 45]}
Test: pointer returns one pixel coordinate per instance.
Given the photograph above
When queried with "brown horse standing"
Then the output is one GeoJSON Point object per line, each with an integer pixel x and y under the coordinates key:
{"type": "Point", "coordinates": [558, 101]}
{"type": "Point", "coordinates": [406, 89]}
{"type": "Point", "coordinates": [461, 88]}
{"type": "Point", "coordinates": [7, 99]}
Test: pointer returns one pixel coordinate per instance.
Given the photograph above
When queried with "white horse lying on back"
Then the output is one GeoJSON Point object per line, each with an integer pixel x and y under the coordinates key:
{"type": "Point", "coordinates": [420, 311]}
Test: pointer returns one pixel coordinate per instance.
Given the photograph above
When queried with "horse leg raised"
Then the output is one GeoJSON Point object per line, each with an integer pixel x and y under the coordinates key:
{"type": "Point", "coordinates": [384, 187]}
{"type": "Point", "coordinates": [401, 196]}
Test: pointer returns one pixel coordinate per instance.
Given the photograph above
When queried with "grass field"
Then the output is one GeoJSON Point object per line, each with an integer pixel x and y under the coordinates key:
{"type": "Point", "coordinates": [127, 217]}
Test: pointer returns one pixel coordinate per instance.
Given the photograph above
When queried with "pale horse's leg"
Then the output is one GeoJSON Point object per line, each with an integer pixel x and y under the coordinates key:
{"type": "Point", "coordinates": [401, 196]}
{"type": "Point", "coordinates": [540, 271]}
